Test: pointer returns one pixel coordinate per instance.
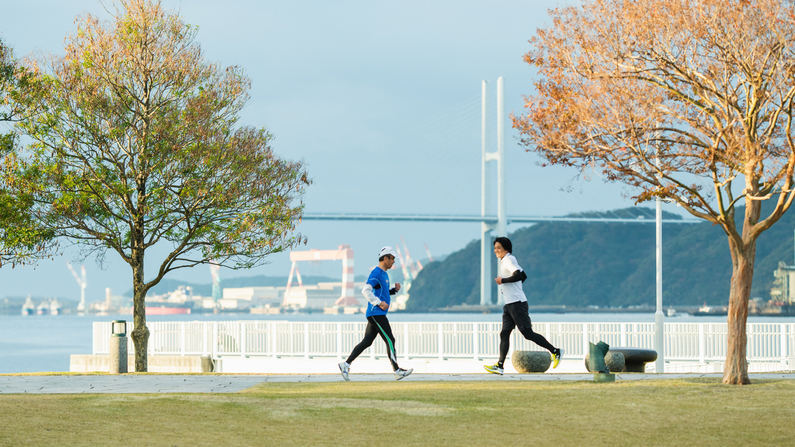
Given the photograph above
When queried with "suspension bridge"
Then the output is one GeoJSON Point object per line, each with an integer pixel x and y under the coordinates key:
{"type": "Point", "coordinates": [490, 222]}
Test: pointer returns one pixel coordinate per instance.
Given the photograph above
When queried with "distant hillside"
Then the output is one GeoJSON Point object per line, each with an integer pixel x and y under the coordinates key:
{"type": "Point", "coordinates": [609, 264]}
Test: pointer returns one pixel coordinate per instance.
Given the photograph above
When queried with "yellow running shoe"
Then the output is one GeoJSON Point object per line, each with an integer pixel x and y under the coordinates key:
{"type": "Point", "coordinates": [556, 357]}
{"type": "Point", "coordinates": [494, 369]}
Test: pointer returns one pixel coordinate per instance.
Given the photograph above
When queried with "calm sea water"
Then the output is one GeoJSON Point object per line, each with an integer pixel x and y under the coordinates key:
{"type": "Point", "coordinates": [44, 343]}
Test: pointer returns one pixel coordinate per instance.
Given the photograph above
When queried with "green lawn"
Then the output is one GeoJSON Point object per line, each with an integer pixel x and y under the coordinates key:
{"type": "Point", "coordinates": [505, 413]}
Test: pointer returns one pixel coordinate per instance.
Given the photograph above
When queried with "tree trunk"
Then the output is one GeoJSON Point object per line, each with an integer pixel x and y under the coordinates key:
{"type": "Point", "coordinates": [735, 371]}
{"type": "Point", "coordinates": [140, 335]}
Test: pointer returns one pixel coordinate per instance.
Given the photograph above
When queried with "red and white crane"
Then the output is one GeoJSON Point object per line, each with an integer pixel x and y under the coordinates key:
{"type": "Point", "coordinates": [428, 252]}
{"type": "Point", "coordinates": [343, 253]}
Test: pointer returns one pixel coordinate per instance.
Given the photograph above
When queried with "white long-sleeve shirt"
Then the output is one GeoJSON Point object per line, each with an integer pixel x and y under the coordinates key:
{"type": "Point", "coordinates": [368, 293]}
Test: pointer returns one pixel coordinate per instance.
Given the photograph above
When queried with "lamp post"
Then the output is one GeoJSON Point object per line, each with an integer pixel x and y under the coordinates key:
{"type": "Point", "coordinates": [117, 359]}
{"type": "Point", "coordinates": [659, 325]}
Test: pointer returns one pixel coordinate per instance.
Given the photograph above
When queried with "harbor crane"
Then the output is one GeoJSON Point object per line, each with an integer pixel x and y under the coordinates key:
{"type": "Point", "coordinates": [81, 281]}
{"type": "Point", "coordinates": [343, 253]}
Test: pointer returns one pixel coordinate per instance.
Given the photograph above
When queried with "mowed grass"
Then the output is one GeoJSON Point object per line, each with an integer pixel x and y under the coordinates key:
{"type": "Point", "coordinates": [505, 413]}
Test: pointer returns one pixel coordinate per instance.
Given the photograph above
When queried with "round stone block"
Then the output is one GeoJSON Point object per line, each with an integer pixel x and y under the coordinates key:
{"type": "Point", "coordinates": [614, 361]}
{"type": "Point", "coordinates": [531, 361]}
{"type": "Point", "coordinates": [632, 359]}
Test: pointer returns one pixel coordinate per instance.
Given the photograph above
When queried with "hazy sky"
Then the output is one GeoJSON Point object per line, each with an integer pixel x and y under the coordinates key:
{"type": "Point", "coordinates": [380, 99]}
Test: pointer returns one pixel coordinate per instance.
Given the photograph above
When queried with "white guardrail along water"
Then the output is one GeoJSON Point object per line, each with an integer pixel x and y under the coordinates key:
{"type": "Point", "coordinates": [768, 343]}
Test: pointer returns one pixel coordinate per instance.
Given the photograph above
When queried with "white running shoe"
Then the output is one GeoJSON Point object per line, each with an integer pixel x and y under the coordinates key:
{"type": "Point", "coordinates": [345, 368]}
{"type": "Point", "coordinates": [401, 373]}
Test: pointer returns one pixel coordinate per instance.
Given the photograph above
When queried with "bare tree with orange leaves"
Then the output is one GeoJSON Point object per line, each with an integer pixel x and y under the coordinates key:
{"type": "Point", "coordinates": [686, 100]}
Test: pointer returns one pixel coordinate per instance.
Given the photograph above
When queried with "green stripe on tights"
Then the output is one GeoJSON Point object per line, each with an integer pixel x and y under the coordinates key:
{"type": "Point", "coordinates": [388, 341]}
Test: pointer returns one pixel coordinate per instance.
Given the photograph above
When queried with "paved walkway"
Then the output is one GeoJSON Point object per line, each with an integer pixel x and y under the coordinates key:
{"type": "Point", "coordinates": [207, 383]}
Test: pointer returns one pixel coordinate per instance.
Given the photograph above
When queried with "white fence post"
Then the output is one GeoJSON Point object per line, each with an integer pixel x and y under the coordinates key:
{"type": "Point", "coordinates": [95, 336]}
{"type": "Point", "coordinates": [215, 340]}
{"type": "Point", "coordinates": [242, 339]}
{"type": "Point", "coordinates": [441, 342]}
{"type": "Point", "coordinates": [623, 339]}
{"type": "Point", "coordinates": [783, 329]}
{"type": "Point", "coordinates": [406, 341]}
{"type": "Point", "coordinates": [182, 336]}
{"type": "Point", "coordinates": [702, 345]}
{"type": "Point", "coordinates": [205, 349]}
{"type": "Point", "coordinates": [339, 341]}
{"type": "Point", "coordinates": [306, 340]}
{"type": "Point", "coordinates": [585, 348]}
{"type": "Point", "coordinates": [274, 344]}
{"type": "Point", "coordinates": [475, 341]}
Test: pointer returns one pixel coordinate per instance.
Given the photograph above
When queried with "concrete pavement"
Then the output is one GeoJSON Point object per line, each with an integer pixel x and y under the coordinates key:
{"type": "Point", "coordinates": [222, 383]}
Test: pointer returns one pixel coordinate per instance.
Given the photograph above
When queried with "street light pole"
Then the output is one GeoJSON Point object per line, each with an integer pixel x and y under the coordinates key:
{"type": "Point", "coordinates": [659, 338]}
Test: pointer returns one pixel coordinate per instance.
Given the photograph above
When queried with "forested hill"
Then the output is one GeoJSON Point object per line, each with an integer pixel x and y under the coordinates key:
{"type": "Point", "coordinates": [610, 264]}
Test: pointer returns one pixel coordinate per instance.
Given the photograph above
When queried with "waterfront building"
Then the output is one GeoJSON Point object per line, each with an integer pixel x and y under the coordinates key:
{"type": "Point", "coordinates": [783, 290]}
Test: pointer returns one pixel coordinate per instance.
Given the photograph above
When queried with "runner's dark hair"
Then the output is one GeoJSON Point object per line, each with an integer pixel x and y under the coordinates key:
{"type": "Point", "coordinates": [505, 242]}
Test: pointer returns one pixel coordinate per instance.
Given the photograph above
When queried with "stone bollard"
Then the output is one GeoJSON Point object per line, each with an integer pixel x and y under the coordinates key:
{"type": "Point", "coordinates": [207, 364]}
{"type": "Point", "coordinates": [117, 360]}
{"type": "Point", "coordinates": [613, 360]}
{"type": "Point", "coordinates": [596, 362]}
{"type": "Point", "coordinates": [531, 361]}
{"type": "Point", "coordinates": [635, 359]}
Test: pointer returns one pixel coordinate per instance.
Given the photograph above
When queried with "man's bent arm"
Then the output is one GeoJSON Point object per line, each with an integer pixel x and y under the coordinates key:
{"type": "Point", "coordinates": [516, 276]}
{"type": "Point", "coordinates": [368, 293]}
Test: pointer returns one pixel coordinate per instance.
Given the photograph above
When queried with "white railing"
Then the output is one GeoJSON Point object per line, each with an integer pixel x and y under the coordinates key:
{"type": "Point", "coordinates": [770, 343]}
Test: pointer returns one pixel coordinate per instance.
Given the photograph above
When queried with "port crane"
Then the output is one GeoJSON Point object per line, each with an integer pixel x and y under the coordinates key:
{"type": "Point", "coordinates": [343, 253]}
{"type": "Point", "coordinates": [81, 281]}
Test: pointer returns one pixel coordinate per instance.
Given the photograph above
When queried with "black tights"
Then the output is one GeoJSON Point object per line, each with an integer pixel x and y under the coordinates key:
{"type": "Point", "coordinates": [516, 315]}
{"type": "Point", "coordinates": [376, 325]}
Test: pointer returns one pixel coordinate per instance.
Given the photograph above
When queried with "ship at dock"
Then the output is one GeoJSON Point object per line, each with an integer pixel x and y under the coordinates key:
{"type": "Point", "coordinates": [28, 308]}
{"type": "Point", "coordinates": [178, 302]}
{"type": "Point", "coordinates": [168, 308]}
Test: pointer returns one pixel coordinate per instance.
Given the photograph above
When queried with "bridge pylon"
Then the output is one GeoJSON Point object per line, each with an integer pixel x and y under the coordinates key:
{"type": "Point", "coordinates": [501, 226]}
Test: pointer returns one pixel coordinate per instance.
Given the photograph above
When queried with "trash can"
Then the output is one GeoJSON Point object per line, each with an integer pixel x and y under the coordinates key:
{"type": "Point", "coordinates": [118, 347]}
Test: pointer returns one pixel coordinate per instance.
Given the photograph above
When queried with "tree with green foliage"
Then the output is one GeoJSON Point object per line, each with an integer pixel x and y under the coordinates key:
{"type": "Point", "coordinates": [22, 240]}
{"type": "Point", "coordinates": [138, 145]}
{"type": "Point", "coordinates": [686, 100]}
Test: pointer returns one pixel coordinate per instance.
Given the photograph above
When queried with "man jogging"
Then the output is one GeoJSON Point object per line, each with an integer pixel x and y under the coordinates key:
{"type": "Point", "coordinates": [377, 292]}
{"type": "Point", "coordinates": [515, 312]}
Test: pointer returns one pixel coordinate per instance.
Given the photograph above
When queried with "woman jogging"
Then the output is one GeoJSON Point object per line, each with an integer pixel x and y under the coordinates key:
{"type": "Point", "coordinates": [515, 313]}
{"type": "Point", "coordinates": [378, 295]}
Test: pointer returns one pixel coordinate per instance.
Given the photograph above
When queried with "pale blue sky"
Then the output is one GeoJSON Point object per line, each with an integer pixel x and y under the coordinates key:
{"type": "Point", "coordinates": [380, 99]}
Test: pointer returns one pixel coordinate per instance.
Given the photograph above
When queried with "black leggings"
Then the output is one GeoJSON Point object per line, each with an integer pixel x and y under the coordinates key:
{"type": "Point", "coordinates": [517, 315]}
{"type": "Point", "coordinates": [377, 325]}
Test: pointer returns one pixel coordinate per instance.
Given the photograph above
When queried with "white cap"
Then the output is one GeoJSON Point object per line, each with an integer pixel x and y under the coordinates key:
{"type": "Point", "coordinates": [387, 251]}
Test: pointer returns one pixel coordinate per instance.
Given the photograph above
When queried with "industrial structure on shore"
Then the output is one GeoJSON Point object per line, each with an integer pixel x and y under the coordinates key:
{"type": "Point", "coordinates": [294, 296]}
